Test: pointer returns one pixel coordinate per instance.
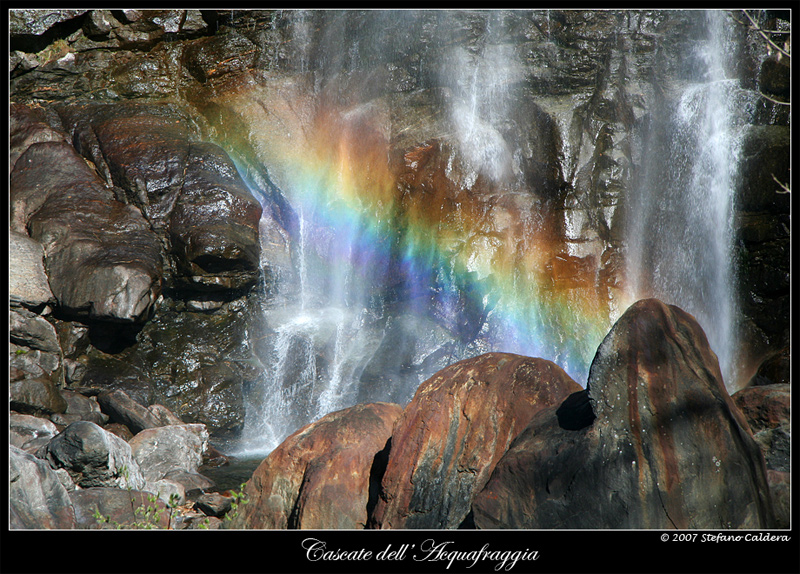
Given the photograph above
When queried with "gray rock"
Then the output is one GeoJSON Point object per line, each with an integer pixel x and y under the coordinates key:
{"type": "Point", "coordinates": [36, 496]}
{"type": "Point", "coordinates": [33, 331]}
{"type": "Point", "coordinates": [164, 416]}
{"type": "Point", "coordinates": [122, 409]}
{"type": "Point", "coordinates": [27, 281]}
{"type": "Point", "coordinates": [36, 396]}
{"type": "Point", "coordinates": [25, 428]}
{"type": "Point", "coordinates": [94, 457]}
{"type": "Point", "coordinates": [27, 363]}
{"type": "Point", "coordinates": [176, 447]}
{"type": "Point", "coordinates": [169, 491]}
{"type": "Point", "coordinates": [213, 504]}
{"type": "Point", "coordinates": [86, 408]}
{"type": "Point", "coordinates": [36, 21]}
{"type": "Point", "coordinates": [192, 482]}
{"type": "Point", "coordinates": [113, 508]}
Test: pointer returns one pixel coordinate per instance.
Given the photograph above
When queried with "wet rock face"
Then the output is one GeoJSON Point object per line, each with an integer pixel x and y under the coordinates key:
{"type": "Point", "coordinates": [323, 476]}
{"type": "Point", "coordinates": [190, 190]}
{"type": "Point", "coordinates": [36, 496]}
{"type": "Point", "coordinates": [450, 436]}
{"type": "Point", "coordinates": [27, 281]}
{"type": "Point", "coordinates": [102, 260]}
{"type": "Point", "coordinates": [214, 224]}
{"type": "Point", "coordinates": [148, 206]}
{"type": "Point", "coordinates": [668, 448]}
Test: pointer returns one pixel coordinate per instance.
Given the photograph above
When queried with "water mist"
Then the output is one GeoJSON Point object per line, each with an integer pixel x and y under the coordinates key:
{"type": "Point", "coordinates": [680, 241]}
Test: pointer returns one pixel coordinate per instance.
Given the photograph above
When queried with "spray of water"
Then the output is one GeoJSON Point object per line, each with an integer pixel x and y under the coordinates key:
{"type": "Point", "coordinates": [680, 242]}
{"type": "Point", "coordinates": [388, 290]}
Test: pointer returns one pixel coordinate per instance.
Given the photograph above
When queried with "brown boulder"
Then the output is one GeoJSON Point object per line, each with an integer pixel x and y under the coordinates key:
{"type": "Point", "coordinates": [667, 449]}
{"type": "Point", "coordinates": [775, 369]}
{"type": "Point", "coordinates": [141, 148]}
{"type": "Point", "coordinates": [102, 260]}
{"type": "Point", "coordinates": [188, 189]}
{"type": "Point", "coordinates": [456, 428]}
{"type": "Point", "coordinates": [213, 226]}
{"type": "Point", "coordinates": [764, 407]}
{"type": "Point", "coordinates": [322, 475]}
{"type": "Point", "coordinates": [28, 125]}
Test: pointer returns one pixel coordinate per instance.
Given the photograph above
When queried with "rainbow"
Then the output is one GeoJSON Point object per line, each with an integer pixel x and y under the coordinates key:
{"type": "Point", "coordinates": [395, 214]}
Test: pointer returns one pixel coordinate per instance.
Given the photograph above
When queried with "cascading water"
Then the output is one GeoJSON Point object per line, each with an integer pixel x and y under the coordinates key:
{"type": "Point", "coordinates": [680, 243]}
{"type": "Point", "coordinates": [402, 265]}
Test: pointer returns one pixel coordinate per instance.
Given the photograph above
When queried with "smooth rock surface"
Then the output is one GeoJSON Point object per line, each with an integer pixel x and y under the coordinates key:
{"type": "Point", "coordinates": [36, 496]}
{"type": "Point", "coordinates": [459, 424]}
{"type": "Point", "coordinates": [27, 281]}
{"type": "Point", "coordinates": [321, 476]}
{"type": "Point", "coordinates": [668, 448]}
{"type": "Point", "coordinates": [158, 451]}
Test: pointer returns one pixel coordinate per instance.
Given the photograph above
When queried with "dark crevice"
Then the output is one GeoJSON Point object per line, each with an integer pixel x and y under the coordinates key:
{"type": "Point", "coordinates": [576, 412]}
{"type": "Point", "coordinates": [375, 477]}
{"type": "Point", "coordinates": [33, 43]}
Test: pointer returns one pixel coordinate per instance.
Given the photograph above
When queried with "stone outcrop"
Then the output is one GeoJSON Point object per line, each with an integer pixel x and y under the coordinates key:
{"type": "Point", "coordinates": [324, 475]}
{"type": "Point", "coordinates": [767, 408]}
{"type": "Point", "coordinates": [189, 189]}
{"type": "Point", "coordinates": [102, 260]}
{"type": "Point", "coordinates": [161, 450]}
{"type": "Point", "coordinates": [36, 496]}
{"type": "Point", "coordinates": [459, 424]}
{"type": "Point", "coordinates": [27, 281]}
{"type": "Point", "coordinates": [668, 448]}
{"type": "Point", "coordinates": [94, 457]}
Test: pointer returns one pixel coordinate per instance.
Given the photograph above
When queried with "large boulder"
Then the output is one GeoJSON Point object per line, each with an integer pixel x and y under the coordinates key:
{"type": "Point", "coordinates": [214, 224]}
{"type": "Point", "coordinates": [122, 409]}
{"type": "Point", "coordinates": [84, 408]}
{"type": "Point", "coordinates": [187, 189]}
{"type": "Point", "coordinates": [27, 430]}
{"type": "Point", "coordinates": [27, 280]}
{"type": "Point", "coordinates": [102, 260]}
{"type": "Point", "coordinates": [322, 475]}
{"type": "Point", "coordinates": [161, 450]}
{"type": "Point", "coordinates": [459, 424]}
{"type": "Point", "coordinates": [115, 508]}
{"type": "Point", "coordinates": [36, 496]}
{"type": "Point", "coordinates": [94, 457]}
{"type": "Point", "coordinates": [663, 446]}
{"type": "Point", "coordinates": [33, 331]}
{"type": "Point", "coordinates": [36, 396]}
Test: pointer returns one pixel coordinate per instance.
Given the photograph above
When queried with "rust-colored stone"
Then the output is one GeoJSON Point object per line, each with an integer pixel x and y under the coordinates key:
{"type": "Point", "coordinates": [667, 449]}
{"type": "Point", "coordinates": [320, 477]}
{"type": "Point", "coordinates": [458, 425]}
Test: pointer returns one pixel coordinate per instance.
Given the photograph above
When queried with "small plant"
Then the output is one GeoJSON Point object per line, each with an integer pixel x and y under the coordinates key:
{"type": "Point", "coordinates": [149, 515]}
{"type": "Point", "coordinates": [54, 51]}
{"type": "Point", "coordinates": [239, 497]}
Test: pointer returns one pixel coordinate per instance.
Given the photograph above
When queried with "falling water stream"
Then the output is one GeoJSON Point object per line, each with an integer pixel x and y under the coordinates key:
{"type": "Point", "coordinates": [681, 240]}
{"type": "Point", "coordinates": [334, 344]}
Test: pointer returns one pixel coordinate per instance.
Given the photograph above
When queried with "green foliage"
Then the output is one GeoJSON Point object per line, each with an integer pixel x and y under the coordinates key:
{"type": "Point", "coordinates": [149, 516]}
{"type": "Point", "coordinates": [239, 497]}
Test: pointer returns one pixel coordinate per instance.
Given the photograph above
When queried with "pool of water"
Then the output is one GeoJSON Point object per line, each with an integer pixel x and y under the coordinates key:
{"type": "Point", "coordinates": [232, 475]}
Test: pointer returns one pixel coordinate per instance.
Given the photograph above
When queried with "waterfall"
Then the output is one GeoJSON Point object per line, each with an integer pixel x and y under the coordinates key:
{"type": "Point", "coordinates": [400, 272]}
{"type": "Point", "coordinates": [680, 240]}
